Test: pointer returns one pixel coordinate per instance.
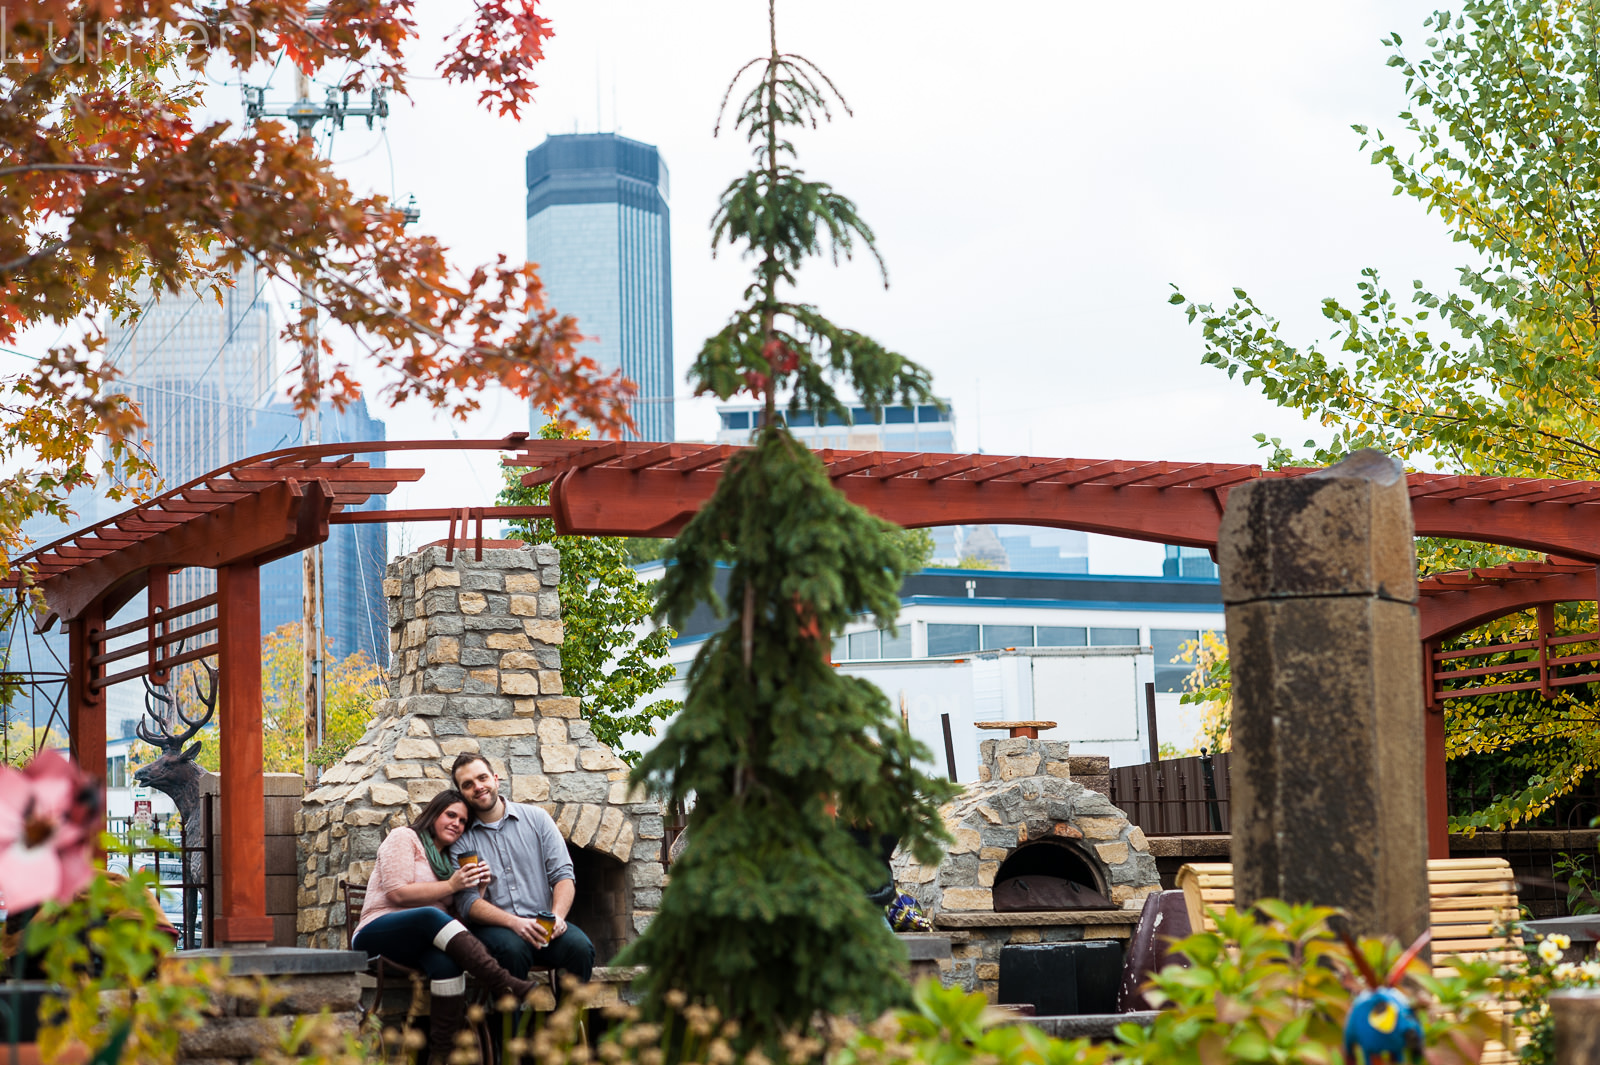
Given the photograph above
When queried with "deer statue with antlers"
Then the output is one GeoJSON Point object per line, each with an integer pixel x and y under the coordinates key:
{"type": "Point", "coordinates": [175, 773]}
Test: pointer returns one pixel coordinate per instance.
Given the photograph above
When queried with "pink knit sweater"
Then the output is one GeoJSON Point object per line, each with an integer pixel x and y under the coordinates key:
{"type": "Point", "coordinates": [401, 861]}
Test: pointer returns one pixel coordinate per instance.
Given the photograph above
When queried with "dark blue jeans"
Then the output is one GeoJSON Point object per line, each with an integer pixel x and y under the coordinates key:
{"type": "Point", "coordinates": [571, 951]}
{"type": "Point", "coordinates": [407, 937]}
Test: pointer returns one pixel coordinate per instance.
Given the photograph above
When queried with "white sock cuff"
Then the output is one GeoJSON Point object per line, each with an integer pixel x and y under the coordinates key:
{"type": "Point", "coordinates": [451, 988]}
{"type": "Point", "coordinates": [451, 929]}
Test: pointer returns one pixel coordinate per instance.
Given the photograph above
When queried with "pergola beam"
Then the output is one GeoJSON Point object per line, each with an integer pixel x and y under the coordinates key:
{"type": "Point", "coordinates": [265, 525]}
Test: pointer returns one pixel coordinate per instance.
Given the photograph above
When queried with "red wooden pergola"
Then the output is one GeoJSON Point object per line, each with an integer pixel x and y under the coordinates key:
{"type": "Point", "coordinates": [246, 514]}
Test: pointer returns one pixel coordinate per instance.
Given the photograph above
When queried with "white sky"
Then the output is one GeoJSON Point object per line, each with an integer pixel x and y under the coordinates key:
{"type": "Point", "coordinates": [1037, 174]}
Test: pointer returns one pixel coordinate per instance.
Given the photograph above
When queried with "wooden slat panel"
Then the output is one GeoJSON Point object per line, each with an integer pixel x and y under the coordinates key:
{"type": "Point", "coordinates": [1452, 945]}
{"type": "Point", "coordinates": [1437, 865]}
{"type": "Point", "coordinates": [1469, 901]}
{"type": "Point", "coordinates": [1448, 929]}
{"type": "Point", "coordinates": [1470, 876]}
{"type": "Point", "coordinates": [1472, 887]}
{"type": "Point", "coordinates": [1470, 898]}
{"type": "Point", "coordinates": [1170, 797]}
{"type": "Point", "coordinates": [1440, 918]}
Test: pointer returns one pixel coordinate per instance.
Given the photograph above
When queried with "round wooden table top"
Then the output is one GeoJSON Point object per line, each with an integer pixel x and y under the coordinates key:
{"type": "Point", "coordinates": [1020, 730]}
{"type": "Point", "coordinates": [1014, 724]}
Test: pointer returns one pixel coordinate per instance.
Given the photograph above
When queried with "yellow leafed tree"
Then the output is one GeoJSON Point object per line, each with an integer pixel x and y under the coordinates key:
{"type": "Point", "coordinates": [353, 683]}
{"type": "Point", "coordinates": [1210, 687]}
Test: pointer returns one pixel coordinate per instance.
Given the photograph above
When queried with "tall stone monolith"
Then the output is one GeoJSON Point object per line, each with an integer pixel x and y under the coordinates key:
{"type": "Point", "coordinates": [1319, 584]}
{"type": "Point", "coordinates": [1576, 1015]}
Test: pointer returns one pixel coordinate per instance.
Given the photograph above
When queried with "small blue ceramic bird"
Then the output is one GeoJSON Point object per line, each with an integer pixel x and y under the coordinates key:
{"type": "Point", "coordinates": [1385, 1027]}
{"type": "Point", "coordinates": [1382, 1022]}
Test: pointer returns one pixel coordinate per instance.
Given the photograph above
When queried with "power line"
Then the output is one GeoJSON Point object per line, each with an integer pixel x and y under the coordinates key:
{"type": "Point", "coordinates": [128, 336]}
{"type": "Point", "coordinates": [193, 395]}
{"type": "Point", "coordinates": [159, 344]}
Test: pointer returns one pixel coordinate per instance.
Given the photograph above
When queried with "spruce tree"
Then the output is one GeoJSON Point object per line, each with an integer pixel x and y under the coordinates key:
{"type": "Point", "coordinates": [767, 916]}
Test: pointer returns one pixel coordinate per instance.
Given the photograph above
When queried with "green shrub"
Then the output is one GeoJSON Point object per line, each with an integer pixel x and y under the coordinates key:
{"type": "Point", "coordinates": [1278, 991]}
{"type": "Point", "coordinates": [104, 950]}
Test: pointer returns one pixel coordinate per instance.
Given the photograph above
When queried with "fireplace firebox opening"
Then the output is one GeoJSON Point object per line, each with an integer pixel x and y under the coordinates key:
{"type": "Point", "coordinates": [604, 901]}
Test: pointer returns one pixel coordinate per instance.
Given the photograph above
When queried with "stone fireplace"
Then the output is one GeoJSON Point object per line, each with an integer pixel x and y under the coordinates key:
{"type": "Point", "coordinates": [476, 667]}
{"type": "Point", "coordinates": [1037, 858]}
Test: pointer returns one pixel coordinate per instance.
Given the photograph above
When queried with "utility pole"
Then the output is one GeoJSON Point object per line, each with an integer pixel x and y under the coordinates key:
{"type": "Point", "coordinates": [305, 114]}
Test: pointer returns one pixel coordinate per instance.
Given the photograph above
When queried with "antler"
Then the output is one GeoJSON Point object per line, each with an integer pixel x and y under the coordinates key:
{"type": "Point", "coordinates": [208, 699]}
{"type": "Point", "coordinates": [163, 736]}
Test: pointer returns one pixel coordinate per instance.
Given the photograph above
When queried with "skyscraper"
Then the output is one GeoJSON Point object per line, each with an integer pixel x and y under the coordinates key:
{"type": "Point", "coordinates": [198, 370]}
{"type": "Point", "coordinates": [204, 375]}
{"type": "Point", "coordinates": [598, 230]}
{"type": "Point", "coordinates": [353, 556]}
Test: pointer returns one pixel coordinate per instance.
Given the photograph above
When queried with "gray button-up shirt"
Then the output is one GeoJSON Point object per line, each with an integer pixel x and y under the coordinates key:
{"type": "Point", "coordinates": [526, 856]}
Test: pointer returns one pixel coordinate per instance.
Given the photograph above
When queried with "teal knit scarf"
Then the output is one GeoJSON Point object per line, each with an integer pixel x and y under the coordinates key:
{"type": "Point", "coordinates": [436, 861]}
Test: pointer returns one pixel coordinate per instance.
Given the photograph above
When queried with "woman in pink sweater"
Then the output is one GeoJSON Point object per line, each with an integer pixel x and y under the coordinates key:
{"type": "Point", "coordinates": [407, 917]}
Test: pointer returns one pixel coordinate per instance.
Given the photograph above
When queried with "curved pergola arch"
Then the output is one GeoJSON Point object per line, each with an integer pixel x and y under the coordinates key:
{"type": "Point", "coordinates": [242, 515]}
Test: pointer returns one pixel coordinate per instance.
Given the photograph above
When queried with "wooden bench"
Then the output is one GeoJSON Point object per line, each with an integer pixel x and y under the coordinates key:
{"type": "Point", "coordinates": [1472, 904]}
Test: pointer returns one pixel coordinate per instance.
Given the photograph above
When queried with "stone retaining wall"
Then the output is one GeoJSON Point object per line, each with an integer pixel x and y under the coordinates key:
{"type": "Point", "coordinates": [476, 668]}
{"type": "Point", "coordinates": [272, 993]}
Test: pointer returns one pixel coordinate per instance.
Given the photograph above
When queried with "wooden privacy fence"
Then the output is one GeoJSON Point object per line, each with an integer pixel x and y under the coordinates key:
{"type": "Point", "coordinates": [1176, 796]}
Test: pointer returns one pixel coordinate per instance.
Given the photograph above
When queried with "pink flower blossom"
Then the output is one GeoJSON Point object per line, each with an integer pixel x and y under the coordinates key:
{"type": "Point", "coordinates": [49, 814]}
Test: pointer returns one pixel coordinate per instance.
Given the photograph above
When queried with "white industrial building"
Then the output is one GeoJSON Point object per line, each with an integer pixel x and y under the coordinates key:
{"type": "Point", "coordinates": [984, 645]}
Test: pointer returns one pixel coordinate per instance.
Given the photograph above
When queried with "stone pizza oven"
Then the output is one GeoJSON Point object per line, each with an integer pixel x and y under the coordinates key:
{"type": "Point", "coordinates": [1037, 857]}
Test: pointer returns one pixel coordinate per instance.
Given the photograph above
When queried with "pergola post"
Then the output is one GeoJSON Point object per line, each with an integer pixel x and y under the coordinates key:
{"type": "Point", "coordinates": [86, 704]}
{"type": "Point", "coordinates": [244, 917]}
{"type": "Point", "coordinates": [1434, 782]}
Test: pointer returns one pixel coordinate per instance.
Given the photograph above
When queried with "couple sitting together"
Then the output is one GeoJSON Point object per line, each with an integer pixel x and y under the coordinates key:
{"type": "Point", "coordinates": [500, 867]}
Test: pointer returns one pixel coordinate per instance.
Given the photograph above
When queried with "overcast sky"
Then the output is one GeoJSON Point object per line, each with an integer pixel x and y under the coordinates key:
{"type": "Point", "coordinates": [1038, 174]}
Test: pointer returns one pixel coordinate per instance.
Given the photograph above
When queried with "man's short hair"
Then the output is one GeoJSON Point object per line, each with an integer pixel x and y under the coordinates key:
{"type": "Point", "coordinates": [465, 759]}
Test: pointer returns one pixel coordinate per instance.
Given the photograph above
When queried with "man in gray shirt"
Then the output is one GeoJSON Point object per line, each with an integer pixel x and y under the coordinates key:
{"type": "Point", "coordinates": [530, 873]}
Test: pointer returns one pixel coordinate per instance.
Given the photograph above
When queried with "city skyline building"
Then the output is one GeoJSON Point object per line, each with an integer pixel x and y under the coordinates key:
{"type": "Point", "coordinates": [1187, 562]}
{"type": "Point", "coordinates": [202, 373]}
{"type": "Point", "coordinates": [599, 232]}
{"type": "Point", "coordinates": [927, 427]}
{"type": "Point", "coordinates": [198, 368]}
{"type": "Point", "coordinates": [354, 556]}
{"type": "Point", "coordinates": [948, 616]}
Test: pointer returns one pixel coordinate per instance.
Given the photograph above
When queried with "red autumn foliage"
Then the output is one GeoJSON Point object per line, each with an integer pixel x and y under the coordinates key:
{"type": "Point", "coordinates": [106, 180]}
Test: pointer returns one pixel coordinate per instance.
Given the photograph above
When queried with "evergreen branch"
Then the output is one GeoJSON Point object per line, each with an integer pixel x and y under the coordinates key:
{"type": "Point", "coordinates": [829, 81]}
{"type": "Point", "coordinates": [728, 92]}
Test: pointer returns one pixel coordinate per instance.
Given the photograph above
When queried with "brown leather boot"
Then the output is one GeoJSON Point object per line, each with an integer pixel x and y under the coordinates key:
{"type": "Point", "coordinates": [446, 1015]}
{"type": "Point", "coordinates": [468, 951]}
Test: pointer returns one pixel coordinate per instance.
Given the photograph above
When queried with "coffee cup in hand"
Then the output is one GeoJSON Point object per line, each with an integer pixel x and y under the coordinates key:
{"type": "Point", "coordinates": [479, 869]}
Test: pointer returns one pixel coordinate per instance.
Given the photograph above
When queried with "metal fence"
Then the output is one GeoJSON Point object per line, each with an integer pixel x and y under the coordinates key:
{"type": "Point", "coordinates": [1176, 796]}
{"type": "Point", "coordinates": [185, 875]}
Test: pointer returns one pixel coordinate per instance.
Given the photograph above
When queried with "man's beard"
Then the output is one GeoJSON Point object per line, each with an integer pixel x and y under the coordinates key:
{"type": "Point", "coordinates": [487, 803]}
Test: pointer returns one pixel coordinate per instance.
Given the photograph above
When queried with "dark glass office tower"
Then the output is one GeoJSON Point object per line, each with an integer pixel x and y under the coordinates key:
{"type": "Point", "coordinates": [598, 229]}
{"type": "Point", "coordinates": [354, 615]}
